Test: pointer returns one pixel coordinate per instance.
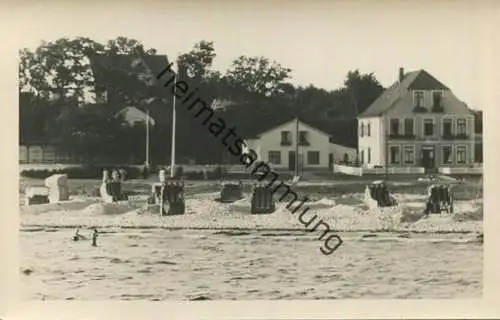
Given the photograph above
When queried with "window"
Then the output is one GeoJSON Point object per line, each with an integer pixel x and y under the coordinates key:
{"type": "Point", "coordinates": [362, 129]}
{"type": "Point", "coordinates": [447, 155]}
{"type": "Point", "coordinates": [368, 129]}
{"type": "Point", "coordinates": [394, 151]}
{"type": "Point", "coordinates": [437, 97]}
{"type": "Point", "coordinates": [394, 127]}
{"type": "Point", "coordinates": [313, 157]}
{"type": "Point", "coordinates": [362, 156]}
{"type": "Point", "coordinates": [369, 156]}
{"type": "Point", "coordinates": [428, 127]}
{"type": "Point", "coordinates": [478, 150]}
{"type": "Point", "coordinates": [461, 154]}
{"type": "Point", "coordinates": [303, 138]}
{"type": "Point", "coordinates": [418, 98]}
{"type": "Point", "coordinates": [409, 154]}
{"type": "Point", "coordinates": [286, 138]}
{"type": "Point", "coordinates": [274, 157]}
{"type": "Point", "coordinates": [447, 127]}
{"type": "Point", "coordinates": [461, 127]}
{"type": "Point", "coordinates": [408, 127]}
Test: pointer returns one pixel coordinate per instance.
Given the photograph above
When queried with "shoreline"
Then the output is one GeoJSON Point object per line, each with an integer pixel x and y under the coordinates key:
{"type": "Point", "coordinates": [40, 227]}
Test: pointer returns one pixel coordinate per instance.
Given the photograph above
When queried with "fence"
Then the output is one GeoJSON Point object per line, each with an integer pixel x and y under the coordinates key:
{"type": "Point", "coordinates": [462, 170]}
{"type": "Point", "coordinates": [359, 171]}
{"type": "Point", "coordinates": [353, 171]}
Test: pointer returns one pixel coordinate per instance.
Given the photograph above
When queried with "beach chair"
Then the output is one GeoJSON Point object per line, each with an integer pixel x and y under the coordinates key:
{"type": "Point", "coordinates": [262, 200]}
{"type": "Point", "coordinates": [377, 195]}
{"type": "Point", "coordinates": [231, 192]}
{"type": "Point", "coordinates": [172, 198]}
{"type": "Point", "coordinates": [440, 198]}
{"type": "Point", "coordinates": [36, 195]}
{"type": "Point", "coordinates": [111, 190]}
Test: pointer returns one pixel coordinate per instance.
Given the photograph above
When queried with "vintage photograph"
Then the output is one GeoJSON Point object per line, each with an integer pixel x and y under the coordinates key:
{"type": "Point", "coordinates": [255, 155]}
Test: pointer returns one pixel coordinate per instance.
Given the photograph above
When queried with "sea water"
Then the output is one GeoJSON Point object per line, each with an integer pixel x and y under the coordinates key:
{"type": "Point", "coordinates": [235, 255]}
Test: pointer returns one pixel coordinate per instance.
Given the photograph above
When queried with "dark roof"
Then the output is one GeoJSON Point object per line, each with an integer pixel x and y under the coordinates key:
{"type": "Point", "coordinates": [425, 81]}
{"type": "Point", "coordinates": [104, 64]}
{"type": "Point", "coordinates": [120, 72]}
{"type": "Point", "coordinates": [415, 80]}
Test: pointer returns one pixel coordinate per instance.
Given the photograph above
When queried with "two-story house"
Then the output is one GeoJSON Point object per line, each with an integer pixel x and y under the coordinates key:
{"type": "Point", "coordinates": [280, 144]}
{"type": "Point", "coordinates": [417, 122]}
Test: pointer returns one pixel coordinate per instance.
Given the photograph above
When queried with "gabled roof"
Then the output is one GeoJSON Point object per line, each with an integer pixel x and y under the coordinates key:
{"type": "Point", "coordinates": [335, 130]}
{"type": "Point", "coordinates": [102, 65]}
{"type": "Point", "coordinates": [415, 80]}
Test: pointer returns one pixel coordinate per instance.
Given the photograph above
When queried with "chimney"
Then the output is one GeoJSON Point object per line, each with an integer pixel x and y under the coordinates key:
{"type": "Point", "coordinates": [401, 74]}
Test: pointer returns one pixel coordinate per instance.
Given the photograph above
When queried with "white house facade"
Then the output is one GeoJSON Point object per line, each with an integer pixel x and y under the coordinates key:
{"type": "Point", "coordinates": [279, 145]}
{"type": "Point", "coordinates": [417, 122]}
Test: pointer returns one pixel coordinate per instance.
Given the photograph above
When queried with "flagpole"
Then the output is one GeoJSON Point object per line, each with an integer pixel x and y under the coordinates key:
{"type": "Point", "coordinates": [147, 137]}
{"type": "Point", "coordinates": [297, 148]}
{"type": "Point", "coordinates": [172, 152]}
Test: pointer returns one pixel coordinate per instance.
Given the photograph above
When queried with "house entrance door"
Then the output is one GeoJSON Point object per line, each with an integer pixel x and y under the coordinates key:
{"type": "Point", "coordinates": [291, 160]}
{"type": "Point", "coordinates": [428, 158]}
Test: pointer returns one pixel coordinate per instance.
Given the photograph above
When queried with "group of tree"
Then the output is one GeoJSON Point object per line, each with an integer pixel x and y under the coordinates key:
{"type": "Point", "coordinates": [56, 79]}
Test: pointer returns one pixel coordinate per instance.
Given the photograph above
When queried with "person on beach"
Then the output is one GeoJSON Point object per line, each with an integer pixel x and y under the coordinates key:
{"type": "Point", "coordinates": [205, 172]}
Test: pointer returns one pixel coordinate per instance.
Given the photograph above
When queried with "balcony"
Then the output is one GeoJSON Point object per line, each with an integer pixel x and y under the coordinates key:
{"type": "Point", "coordinates": [286, 142]}
{"type": "Point", "coordinates": [460, 136]}
{"type": "Point", "coordinates": [304, 143]}
{"type": "Point", "coordinates": [419, 109]}
{"type": "Point", "coordinates": [437, 109]}
{"type": "Point", "coordinates": [398, 136]}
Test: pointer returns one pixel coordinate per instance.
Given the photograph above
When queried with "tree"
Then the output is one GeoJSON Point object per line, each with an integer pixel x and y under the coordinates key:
{"type": "Point", "coordinates": [257, 75]}
{"type": "Point", "coordinates": [362, 90]}
{"type": "Point", "coordinates": [198, 61]}
{"type": "Point", "coordinates": [61, 70]}
{"type": "Point", "coordinates": [93, 133]}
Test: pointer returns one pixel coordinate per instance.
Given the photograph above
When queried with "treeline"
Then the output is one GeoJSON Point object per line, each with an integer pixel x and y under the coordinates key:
{"type": "Point", "coordinates": [56, 80]}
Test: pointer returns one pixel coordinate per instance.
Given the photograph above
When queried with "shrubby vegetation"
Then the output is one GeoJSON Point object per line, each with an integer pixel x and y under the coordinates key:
{"type": "Point", "coordinates": [56, 78]}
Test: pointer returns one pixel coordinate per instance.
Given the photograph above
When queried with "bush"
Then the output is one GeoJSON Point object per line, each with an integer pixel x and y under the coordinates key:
{"type": "Point", "coordinates": [193, 175]}
{"type": "Point", "coordinates": [179, 172]}
{"type": "Point", "coordinates": [216, 174]}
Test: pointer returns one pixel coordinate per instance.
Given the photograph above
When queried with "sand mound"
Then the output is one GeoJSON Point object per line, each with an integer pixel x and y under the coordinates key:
{"type": "Point", "coordinates": [475, 214]}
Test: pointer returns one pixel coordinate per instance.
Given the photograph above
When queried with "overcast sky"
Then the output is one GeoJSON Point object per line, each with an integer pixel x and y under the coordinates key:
{"type": "Point", "coordinates": [319, 41]}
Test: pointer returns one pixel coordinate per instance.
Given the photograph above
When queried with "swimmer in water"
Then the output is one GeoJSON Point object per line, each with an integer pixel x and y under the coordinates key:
{"type": "Point", "coordinates": [77, 235]}
{"type": "Point", "coordinates": [94, 238]}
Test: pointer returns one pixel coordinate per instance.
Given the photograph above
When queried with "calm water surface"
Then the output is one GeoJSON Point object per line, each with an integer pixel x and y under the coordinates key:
{"type": "Point", "coordinates": [183, 265]}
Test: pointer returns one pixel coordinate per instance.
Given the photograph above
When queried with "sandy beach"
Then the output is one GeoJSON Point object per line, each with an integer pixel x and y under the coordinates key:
{"type": "Point", "coordinates": [220, 251]}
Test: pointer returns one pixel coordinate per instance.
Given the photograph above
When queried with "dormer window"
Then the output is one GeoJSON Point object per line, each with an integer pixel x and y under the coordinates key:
{"type": "Point", "coordinates": [394, 127]}
{"type": "Point", "coordinates": [418, 99]}
{"type": "Point", "coordinates": [437, 97]}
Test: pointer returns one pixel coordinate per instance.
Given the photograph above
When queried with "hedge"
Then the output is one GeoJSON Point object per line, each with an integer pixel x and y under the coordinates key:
{"type": "Point", "coordinates": [85, 172]}
{"type": "Point", "coordinates": [95, 172]}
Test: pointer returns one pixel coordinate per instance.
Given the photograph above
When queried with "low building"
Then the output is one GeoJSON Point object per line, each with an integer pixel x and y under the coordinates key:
{"type": "Point", "coordinates": [280, 144]}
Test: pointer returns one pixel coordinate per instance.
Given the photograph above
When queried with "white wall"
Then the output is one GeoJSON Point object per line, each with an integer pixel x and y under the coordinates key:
{"type": "Point", "coordinates": [318, 141]}
{"type": "Point", "coordinates": [339, 151]}
{"type": "Point", "coordinates": [375, 141]}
